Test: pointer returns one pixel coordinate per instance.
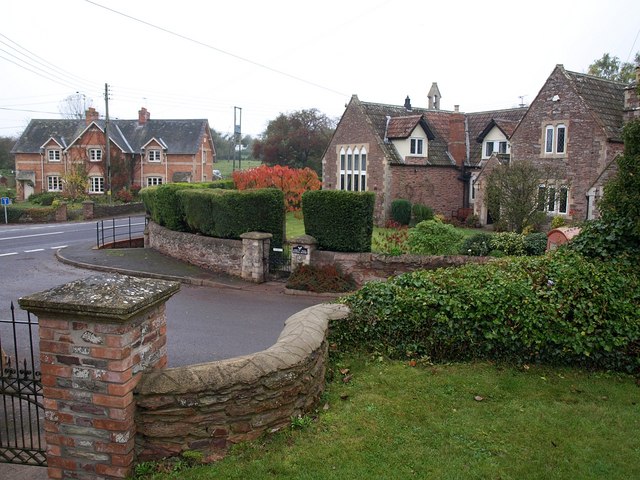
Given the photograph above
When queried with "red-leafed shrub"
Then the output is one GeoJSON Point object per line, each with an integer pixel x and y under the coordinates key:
{"type": "Point", "coordinates": [327, 278]}
{"type": "Point", "coordinates": [293, 182]}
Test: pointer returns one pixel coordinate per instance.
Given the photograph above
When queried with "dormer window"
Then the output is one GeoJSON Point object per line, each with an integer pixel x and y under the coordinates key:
{"type": "Point", "coordinates": [417, 146]}
{"type": "Point", "coordinates": [53, 155]}
{"type": "Point", "coordinates": [494, 146]}
{"type": "Point", "coordinates": [95, 154]}
{"type": "Point", "coordinates": [153, 155]}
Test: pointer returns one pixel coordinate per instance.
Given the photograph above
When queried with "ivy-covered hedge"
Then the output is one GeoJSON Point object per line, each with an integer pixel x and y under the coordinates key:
{"type": "Point", "coordinates": [559, 309]}
{"type": "Point", "coordinates": [340, 221]}
{"type": "Point", "coordinates": [230, 213]}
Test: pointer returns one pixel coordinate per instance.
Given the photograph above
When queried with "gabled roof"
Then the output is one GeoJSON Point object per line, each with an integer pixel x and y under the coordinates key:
{"type": "Point", "coordinates": [179, 136]}
{"type": "Point", "coordinates": [403, 127]}
{"type": "Point", "coordinates": [605, 98]}
{"type": "Point", "coordinates": [479, 124]}
{"type": "Point", "coordinates": [377, 114]}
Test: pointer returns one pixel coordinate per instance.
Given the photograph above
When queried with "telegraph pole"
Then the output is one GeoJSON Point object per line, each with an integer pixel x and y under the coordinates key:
{"type": "Point", "coordinates": [237, 136]}
{"type": "Point", "coordinates": [107, 146]}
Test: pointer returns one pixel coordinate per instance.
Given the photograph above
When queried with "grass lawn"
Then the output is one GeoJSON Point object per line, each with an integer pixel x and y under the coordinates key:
{"type": "Point", "coordinates": [457, 421]}
{"type": "Point", "coordinates": [226, 166]}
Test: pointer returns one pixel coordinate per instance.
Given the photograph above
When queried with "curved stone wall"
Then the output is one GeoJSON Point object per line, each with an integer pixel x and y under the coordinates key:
{"type": "Point", "coordinates": [208, 407]}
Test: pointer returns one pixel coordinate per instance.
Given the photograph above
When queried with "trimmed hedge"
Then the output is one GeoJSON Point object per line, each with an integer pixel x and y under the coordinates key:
{"type": "Point", "coordinates": [230, 213]}
{"type": "Point", "coordinates": [432, 237]}
{"type": "Point", "coordinates": [558, 309]}
{"type": "Point", "coordinates": [401, 211]}
{"type": "Point", "coordinates": [340, 221]}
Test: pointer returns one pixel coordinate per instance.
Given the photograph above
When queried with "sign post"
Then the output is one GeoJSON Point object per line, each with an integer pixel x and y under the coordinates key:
{"type": "Point", "coordinates": [5, 201]}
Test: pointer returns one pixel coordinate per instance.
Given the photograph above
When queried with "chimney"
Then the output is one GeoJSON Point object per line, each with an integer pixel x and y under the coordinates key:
{"type": "Point", "coordinates": [434, 97]}
{"type": "Point", "coordinates": [407, 104]}
{"type": "Point", "coordinates": [456, 108]}
{"type": "Point", "coordinates": [91, 115]}
{"type": "Point", "coordinates": [143, 116]}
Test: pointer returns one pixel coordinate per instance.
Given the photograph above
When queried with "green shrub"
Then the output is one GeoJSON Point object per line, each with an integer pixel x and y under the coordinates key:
{"type": "Point", "coordinates": [509, 243]}
{"type": "Point", "coordinates": [401, 211]}
{"type": "Point", "coordinates": [326, 278]}
{"type": "Point", "coordinates": [558, 309]}
{"type": "Point", "coordinates": [535, 243]}
{"type": "Point", "coordinates": [433, 237]}
{"type": "Point", "coordinates": [44, 198]}
{"type": "Point", "coordinates": [230, 213]}
{"type": "Point", "coordinates": [339, 220]}
{"type": "Point", "coordinates": [227, 184]}
{"type": "Point", "coordinates": [421, 213]}
{"type": "Point", "coordinates": [8, 192]}
{"type": "Point", "coordinates": [558, 221]}
{"type": "Point", "coordinates": [478, 245]}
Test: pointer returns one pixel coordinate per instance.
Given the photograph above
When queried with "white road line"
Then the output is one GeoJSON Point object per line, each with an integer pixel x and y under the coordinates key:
{"type": "Point", "coordinates": [34, 250]}
{"type": "Point", "coordinates": [34, 235]}
{"type": "Point", "coordinates": [59, 246]}
{"type": "Point", "coordinates": [7, 254]}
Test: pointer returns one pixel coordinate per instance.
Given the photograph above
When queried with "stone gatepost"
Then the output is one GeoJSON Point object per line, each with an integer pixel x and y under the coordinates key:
{"type": "Point", "coordinates": [87, 209]}
{"type": "Point", "coordinates": [61, 212]}
{"type": "Point", "coordinates": [96, 337]}
{"type": "Point", "coordinates": [302, 248]}
{"type": "Point", "coordinates": [255, 256]}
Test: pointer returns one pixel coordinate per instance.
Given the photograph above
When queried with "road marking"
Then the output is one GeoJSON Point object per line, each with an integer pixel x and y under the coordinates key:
{"type": "Point", "coordinates": [34, 250]}
{"type": "Point", "coordinates": [59, 246]}
{"type": "Point", "coordinates": [34, 235]}
{"type": "Point", "coordinates": [7, 254]}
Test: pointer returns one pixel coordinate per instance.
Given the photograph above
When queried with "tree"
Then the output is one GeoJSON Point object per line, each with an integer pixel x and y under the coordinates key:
{"type": "Point", "coordinates": [75, 106]}
{"type": "Point", "coordinates": [75, 181]}
{"type": "Point", "coordinates": [296, 140]}
{"type": "Point", "coordinates": [6, 144]}
{"type": "Point", "coordinates": [225, 145]}
{"type": "Point", "coordinates": [514, 197]}
{"type": "Point", "coordinates": [612, 69]}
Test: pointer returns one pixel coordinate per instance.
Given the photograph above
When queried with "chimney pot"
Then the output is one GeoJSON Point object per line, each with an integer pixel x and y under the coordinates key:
{"type": "Point", "coordinates": [143, 116]}
{"type": "Point", "coordinates": [91, 115]}
{"type": "Point", "coordinates": [407, 103]}
{"type": "Point", "coordinates": [456, 108]}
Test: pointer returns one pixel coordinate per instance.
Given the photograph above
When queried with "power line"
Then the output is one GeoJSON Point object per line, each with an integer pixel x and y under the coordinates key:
{"type": "Point", "coordinates": [219, 50]}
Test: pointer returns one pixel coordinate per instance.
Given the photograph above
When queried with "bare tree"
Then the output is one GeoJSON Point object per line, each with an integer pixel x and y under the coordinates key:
{"type": "Point", "coordinates": [75, 106]}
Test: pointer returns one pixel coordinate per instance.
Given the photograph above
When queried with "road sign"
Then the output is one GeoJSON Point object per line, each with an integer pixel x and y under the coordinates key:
{"type": "Point", "coordinates": [5, 201]}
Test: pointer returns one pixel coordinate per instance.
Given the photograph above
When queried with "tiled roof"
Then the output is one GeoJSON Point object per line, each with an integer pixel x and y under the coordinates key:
{"type": "Point", "coordinates": [480, 123]}
{"type": "Point", "coordinates": [180, 136]}
{"type": "Point", "coordinates": [377, 114]}
{"type": "Point", "coordinates": [605, 98]}
{"type": "Point", "coordinates": [401, 127]}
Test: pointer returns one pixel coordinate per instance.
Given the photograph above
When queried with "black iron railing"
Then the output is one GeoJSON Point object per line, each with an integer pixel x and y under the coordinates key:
{"type": "Point", "coordinates": [120, 232]}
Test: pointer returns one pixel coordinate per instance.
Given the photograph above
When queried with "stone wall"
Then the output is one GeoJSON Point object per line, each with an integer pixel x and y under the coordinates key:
{"type": "Point", "coordinates": [218, 254]}
{"type": "Point", "coordinates": [210, 406]}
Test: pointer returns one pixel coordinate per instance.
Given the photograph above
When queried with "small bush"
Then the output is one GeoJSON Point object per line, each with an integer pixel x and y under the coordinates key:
{"type": "Point", "coordinates": [392, 240]}
{"type": "Point", "coordinates": [535, 243]}
{"type": "Point", "coordinates": [8, 192]}
{"type": "Point", "coordinates": [509, 243]}
{"type": "Point", "coordinates": [44, 198]}
{"type": "Point", "coordinates": [433, 237]}
{"type": "Point", "coordinates": [478, 245]}
{"type": "Point", "coordinates": [558, 221]}
{"type": "Point", "coordinates": [327, 278]}
{"type": "Point", "coordinates": [401, 211]}
{"type": "Point", "coordinates": [421, 213]}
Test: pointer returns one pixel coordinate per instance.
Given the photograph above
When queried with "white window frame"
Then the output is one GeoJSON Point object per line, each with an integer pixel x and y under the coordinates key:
{"type": "Point", "coordinates": [54, 183]}
{"type": "Point", "coordinates": [416, 147]}
{"type": "Point", "coordinates": [204, 155]}
{"type": "Point", "coordinates": [352, 163]}
{"type": "Point", "coordinates": [552, 134]}
{"type": "Point", "coordinates": [552, 202]}
{"type": "Point", "coordinates": [154, 155]}
{"type": "Point", "coordinates": [95, 154]}
{"type": "Point", "coordinates": [54, 154]}
{"type": "Point", "coordinates": [96, 185]}
{"type": "Point", "coordinates": [472, 187]}
{"type": "Point", "coordinates": [154, 181]}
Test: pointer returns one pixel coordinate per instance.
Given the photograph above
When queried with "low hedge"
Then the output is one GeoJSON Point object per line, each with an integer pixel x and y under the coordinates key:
{"type": "Point", "coordinates": [340, 221]}
{"type": "Point", "coordinates": [230, 213]}
{"type": "Point", "coordinates": [558, 309]}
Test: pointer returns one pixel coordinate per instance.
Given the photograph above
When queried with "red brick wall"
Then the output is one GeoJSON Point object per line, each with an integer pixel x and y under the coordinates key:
{"type": "Point", "coordinates": [436, 187]}
{"type": "Point", "coordinates": [587, 149]}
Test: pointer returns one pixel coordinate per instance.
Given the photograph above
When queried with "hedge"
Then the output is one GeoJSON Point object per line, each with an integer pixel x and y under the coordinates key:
{"type": "Point", "coordinates": [230, 213]}
{"type": "Point", "coordinates": [558, 309]}
{"type": "Point", "coordinates": [340, 221]}
{"type": "Point", "coordinates": [401, 211]}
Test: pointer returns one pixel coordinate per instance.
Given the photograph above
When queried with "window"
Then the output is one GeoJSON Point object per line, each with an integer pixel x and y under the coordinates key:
{"type": "Point", "coordinates": [553, 199]}
{"type": "Point", "coordinates": [502, 147]}
{"type": "Point", "coordinates": [491, 147]}
{"type": "Point", "coordinates": [472, 188]}
{"type": "Point", "coordinates": [204, 155]}
{"type": "Point", "coordinates": [53, 155]}
{"type": "Point", "coordinates": [54, 183]}
{"type": "Point", "coordinates": [555, 139]}
{"type": "Point", "coordinates": [416, 146]}
{"type": "Point", "coordinates": [95, 154]}
{"type": "Point", "coordinates": [153, 155]}
{"type": "Point", "coordinates": [353, 169]}
{"type": "Point", "coordinates": [153, 181]}
{"type": "Point", "coordinates": [96, 184]}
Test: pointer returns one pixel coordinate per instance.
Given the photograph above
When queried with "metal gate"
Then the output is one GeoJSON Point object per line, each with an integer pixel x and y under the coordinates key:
{"type": "Point", "coordinates": [280, 261]}
{"type": "Point", "coordinates": [21, 406]}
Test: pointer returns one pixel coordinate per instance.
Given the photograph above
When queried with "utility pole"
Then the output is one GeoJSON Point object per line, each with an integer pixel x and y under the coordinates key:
{"type": "Point", "coordinates": [237, 136]}
{"type": "Point", "coordinates": [107, 146]}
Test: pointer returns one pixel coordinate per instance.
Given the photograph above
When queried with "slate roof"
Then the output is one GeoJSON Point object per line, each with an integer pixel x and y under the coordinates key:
{"type": "Point", "coordinates": [438, 154]}
{"type": "Point", "coordinates": [180, 136]}
{"type": "Point", "coordinates": [605, 98]}
{"type": "Point", "coordinates": [480, 123]}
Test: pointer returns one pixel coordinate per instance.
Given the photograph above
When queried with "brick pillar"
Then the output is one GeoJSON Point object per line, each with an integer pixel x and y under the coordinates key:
{"type": "Point", "coordinates": [301, 250]}
{"type": "Point", "coordinates": [96, 337]}
{"type": "Point", "coordinates": [87, 209]}
{"type": "Point", "coordinates": [61, 212]}
{"type": "Point", "coordinates": [255, 256]}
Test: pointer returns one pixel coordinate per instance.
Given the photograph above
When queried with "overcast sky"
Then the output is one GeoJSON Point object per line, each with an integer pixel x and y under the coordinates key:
{"type": "Point", "coordinates": [199, 59]}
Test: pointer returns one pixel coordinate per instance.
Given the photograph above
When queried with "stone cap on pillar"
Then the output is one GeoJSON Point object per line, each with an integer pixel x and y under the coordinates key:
{"type": "Point", "coordinates": [107, 297]}
{"type": "Point", "coordinates": [304, 240]}
{"type": "Point", "coordinates": [256, 236]}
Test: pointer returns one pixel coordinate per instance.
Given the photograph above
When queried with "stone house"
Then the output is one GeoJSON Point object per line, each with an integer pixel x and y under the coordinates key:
{"type": "Point", "coordinates": [144, 151]}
